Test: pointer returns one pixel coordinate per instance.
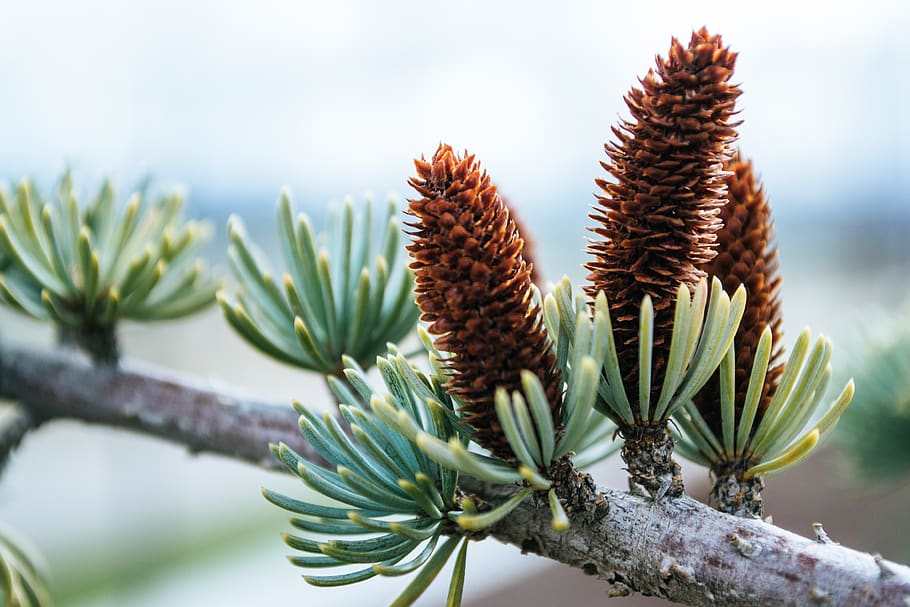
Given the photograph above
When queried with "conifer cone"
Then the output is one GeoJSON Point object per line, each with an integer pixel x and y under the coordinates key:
{"type": "Point", "coordinates": [529, 251]}
{"type": "Point", "coordinates": [474, 287]}
{"type": "Point", "coordinates": [746, 255]}
{"type": "Point", "coordinates": [657, 221]}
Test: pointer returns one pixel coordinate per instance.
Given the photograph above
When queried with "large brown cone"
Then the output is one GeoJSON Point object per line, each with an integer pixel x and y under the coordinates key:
{"type": "Point", "coordinates": [657, 221]}
{"type": "Point", "coordinates": [745, 255]}
{"type": "Point", "coordinates": [475, 289]}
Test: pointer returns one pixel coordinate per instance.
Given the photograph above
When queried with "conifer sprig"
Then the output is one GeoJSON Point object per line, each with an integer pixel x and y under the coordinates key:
{"type": "Point", "coordinates": [346, 292]}
{"type": "Point", "coordinates": [750, 446]}
{"type": "Point", "coordinates": [756, 417]}
{"type": "Point", "coordinates": [86, 268]}
{"type": "Point", "coordinates": [539, 460]}
{"type": "Point", "coordinates": [21, 581]}
{"type": "Point", "coordinates": [474, 288]}
{"type": "Point", "coordinates": [656, 224]}
{"type": "Point", "coordinates": [876, 429]}
{"type": "Point", "coordinates": [391, 505]}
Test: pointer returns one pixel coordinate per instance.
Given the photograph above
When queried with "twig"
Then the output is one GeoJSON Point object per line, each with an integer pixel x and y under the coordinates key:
{"type": "Point", "coordinates": [677, 549]}
{"type": "Point", "coordinates": [15, 423]}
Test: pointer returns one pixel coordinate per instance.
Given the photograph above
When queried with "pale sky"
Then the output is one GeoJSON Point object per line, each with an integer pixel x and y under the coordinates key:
{"type": "Point", "coordinates": [237, 99]}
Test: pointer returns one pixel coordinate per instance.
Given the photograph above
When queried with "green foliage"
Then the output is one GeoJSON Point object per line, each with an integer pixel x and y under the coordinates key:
{"type": "Point", "coordinates": [390, 501]}
{"type": "Point", "coordinates": [525, 418]}
{"type": "Point", "coordinates": [21, 584]}
{"type": "Point", "coordinates": [581, 354]}
{"type": "Point", "coordinates": [702, 332]}
{"type": "Point", "coordinates": [876, 429]}
{"type": "Point", "coordinates": [793, 424]}
{"type": "Point", "coordinates": [350, 298]}
{"type": "Point", "coordinates": [595, 395]}
{"type": "Point", "coordinates": [94, 265]}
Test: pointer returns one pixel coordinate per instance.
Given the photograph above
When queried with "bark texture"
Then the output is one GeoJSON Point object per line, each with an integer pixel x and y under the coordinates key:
{"type": "Point", "coordinates": [683, 551]}
{"type": "Point", "coordinates": [65, 385]}
{"type": "Point", "coordinates": [100, 342]}
{"type": "Point", "coordinates": [734, 494]}
{"type": "Point", "coordinates": [677, 549]}
{"type": "Point", "coordinates": [648, 454]}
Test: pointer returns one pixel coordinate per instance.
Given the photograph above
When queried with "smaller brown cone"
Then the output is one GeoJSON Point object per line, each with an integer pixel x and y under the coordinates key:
{"type": "Point", "coordinates": [745, 255]}
{"type": "Point", "coordinates": [474, 287]}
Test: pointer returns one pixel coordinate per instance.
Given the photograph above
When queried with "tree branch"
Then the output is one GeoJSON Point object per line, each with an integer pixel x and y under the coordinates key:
{"type": "Point", "coordinates": [15, 423]}
{"type": "Point", "coordinates": [677, 549]}
{"type": "Point", "coordinates": [63, 384]}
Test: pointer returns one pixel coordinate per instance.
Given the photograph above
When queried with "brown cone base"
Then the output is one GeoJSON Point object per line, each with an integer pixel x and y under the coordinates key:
{"type": "Point", "coordinates": [576, 490]}
{"type": "Point", "coordinates": [99, 342]}
{"type": "Point", "coordinates": [734, 494]}
{"type": "Point", "coordinates": [648, 454]}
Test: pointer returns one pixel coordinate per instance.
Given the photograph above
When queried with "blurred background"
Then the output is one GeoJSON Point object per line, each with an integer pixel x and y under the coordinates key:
{"type": "Point", "coordinates": [232, 101]}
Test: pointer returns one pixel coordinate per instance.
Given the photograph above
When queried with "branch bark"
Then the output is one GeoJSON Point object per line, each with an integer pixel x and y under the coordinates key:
{"type": "Point", "coordinates": [15, 423]}
{"type": "Point", "coordinates": [64, 385]}
{"type": "Point", "coordinates": [677, 549]}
